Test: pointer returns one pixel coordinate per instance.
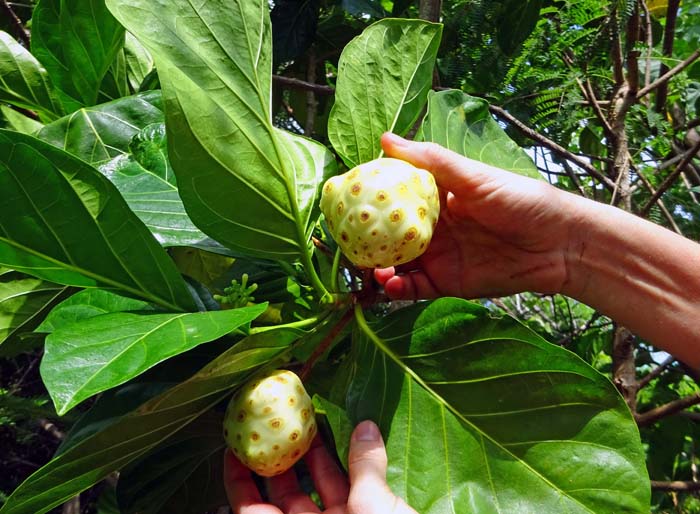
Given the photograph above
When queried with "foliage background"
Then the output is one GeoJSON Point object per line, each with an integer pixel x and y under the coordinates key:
{"type": "Point", "coordinates": [605, 95]}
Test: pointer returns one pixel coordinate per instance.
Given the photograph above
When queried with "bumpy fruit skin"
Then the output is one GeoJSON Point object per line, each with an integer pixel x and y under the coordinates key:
{"type": "Point", "coordinates": [381, 213]}
{"type": "Point", "coordinates": [270, 423]}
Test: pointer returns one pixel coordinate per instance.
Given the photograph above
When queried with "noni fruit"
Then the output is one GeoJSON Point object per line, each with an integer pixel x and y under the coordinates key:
{"type": "Point", "coordinates": [270, 423]}
{"type": "Point", "coordinates": [381, 213]}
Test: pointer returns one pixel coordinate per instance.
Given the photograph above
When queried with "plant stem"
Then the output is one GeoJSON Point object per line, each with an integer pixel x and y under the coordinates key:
{"type": "Point", "coordinates": [335, 269]}
{"type": "Point", "coordinates": [294, 324]}
{"type": "Point", "coordinates": [325, 344]}
{"type": "Point", "coordinates": [325, 296]}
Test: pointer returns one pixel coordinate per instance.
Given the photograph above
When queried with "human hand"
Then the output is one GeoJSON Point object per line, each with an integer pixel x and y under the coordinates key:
{"type": "Point", "coordinates": [499, 233]}
{"type": "Point", "coordinates": [367, 492]}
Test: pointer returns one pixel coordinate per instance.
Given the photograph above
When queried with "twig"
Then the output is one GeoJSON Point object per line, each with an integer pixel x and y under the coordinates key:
{"type": "Point", "coordinates": [319, 89]}
{"type": "Point", "coordinates": [663, 79]}
{"type": "Point", "coordinates": [16, 23]}
{"type": "Point", "coordinates": [660, 203]}
{"type": "Point", "coordinates": [554, 147]}
{"type": "Point", "coordinates": [51, 429]}
{"type": "Point", "coordinates": [654, 373]}
{"type": "Point", "coordinates": [675, 485]}
{"type": "Point", "coordinates": [667, 51]}
{"type": "Point", "coordinates": [650, 44]}
{"type": "Point", "coordinates": [668, 181]}
{"type": "Point", "coordinates": [323, 345]}
{"type": "Point", "coordinates": [668, 409]}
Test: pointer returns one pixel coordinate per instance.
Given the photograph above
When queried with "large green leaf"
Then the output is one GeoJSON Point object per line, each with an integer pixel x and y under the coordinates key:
{"type": "Point", "coordinates": [147, 183]}
{"type": "Point", "coordinates": [23, 302]}
{"type": "Point", "coordinates": [481, 415]}
{"type": "Point", "coordinates": [516, 22]}
{"type": "Point", "coordinates": [383, 78]}
{"type": "Point", "coordinates": [89, 303]}
{"type": "Point", "coordinates": [243, 182]}
{"type": "Point", "coordinates": [463, 124]}
{"type": "Point", "coordinates": [183, 476]}
{"type": "Point", "coordinates": [101, 352]}
{"type": "Point", "coordinates": [139, 62]}
{"type": "Point", "coordinates": [92, 455]}
{"type": "Point", "coordinates": [77, 42]}
{"type": "Point", "coordinates": [99, 133]}
{"type": "Point", "coordinates": [24, 82]}
{"type": "Point", "coordinates": [14, 120]}
{"type": "Point", "coordinates": [64, 222]}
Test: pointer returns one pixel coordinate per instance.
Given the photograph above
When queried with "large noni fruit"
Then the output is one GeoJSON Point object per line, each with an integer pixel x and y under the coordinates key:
{"type": "Point", "coordinates": [270, 423]}
{"type": "Point", "coordinates": [381, 213]}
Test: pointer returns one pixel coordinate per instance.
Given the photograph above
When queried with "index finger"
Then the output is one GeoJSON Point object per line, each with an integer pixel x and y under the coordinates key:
{"type": "Point", "coordinates": [330, 481]}
{"type": "Point", "coordinates": [242, 493]}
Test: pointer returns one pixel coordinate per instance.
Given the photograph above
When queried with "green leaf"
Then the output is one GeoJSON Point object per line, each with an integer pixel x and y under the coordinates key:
{"type": "Point", "coordinates": [383, 78]}
{"type": "Point", "coordinates": [25, 83]}
{"type": "Point", "coordinates": [66, 223]}
{"type": "Point", "coordinates": [23, 301]}
{"type": "Point", "coordinates": [89, 303]}
{"type": "Point", "coordinates": [519, 425]}
{"type": "Point", "coordinates": [463, 124]}
{"type": "Point", "coordinates": [139, 62]}
{"type": "Point", "coordinates": [100, 133]}
{"type": "Point", "coordinates": [340, 425]}
{"type": "Point", "coordinates": [120, 442]}
{"type": "Point", "coordinates": [181, 477]}
{"type": "Point", "coordinates": [101, 352]}
{"type": "Point", "coordinates": [147, 183]}
{"type": "Point", "coordinates": [18, 122]}
{"type": "Point", "coordinates": [77, 42]}
{"type": "Point", "coordinates": [243, 182]}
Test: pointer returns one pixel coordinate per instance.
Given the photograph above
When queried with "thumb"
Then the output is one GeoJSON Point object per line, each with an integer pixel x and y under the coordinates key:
{"type": "Point", "coordinates": [367, 464]}
{"type": "Point", "coordinates": [452, 172]}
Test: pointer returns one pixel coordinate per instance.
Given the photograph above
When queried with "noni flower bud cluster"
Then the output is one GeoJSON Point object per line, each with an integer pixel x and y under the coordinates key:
{"type": "Point", "coordinates": [381, 213]}
{"type": "Point", "coordinates": [270, 423]}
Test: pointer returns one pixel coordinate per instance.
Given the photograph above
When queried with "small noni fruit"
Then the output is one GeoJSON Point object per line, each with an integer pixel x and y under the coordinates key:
{"type": "Point", "coordinates": [381, 213]}
{"type": "Point", "coordinates": [270, 423]}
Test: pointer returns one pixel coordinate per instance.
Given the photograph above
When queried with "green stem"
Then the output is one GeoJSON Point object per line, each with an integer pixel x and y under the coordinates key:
{"type": "Point", "coordinates": [325, 296]}
{"type": "Point", "coordinates": [334, 270]}
{"type": "Point", "coordinates": [294, 324]}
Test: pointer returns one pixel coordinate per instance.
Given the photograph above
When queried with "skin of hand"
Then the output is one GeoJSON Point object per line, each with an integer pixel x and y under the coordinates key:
{"type": "Point", "coordinates": [366, 493]}
{"type": "Point", "coordinates": [498, 233]}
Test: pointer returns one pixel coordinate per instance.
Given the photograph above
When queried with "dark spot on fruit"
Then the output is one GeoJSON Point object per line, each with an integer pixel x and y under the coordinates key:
{"type": "Point", "coordinates": [411, 234]}
{"type": "Point", "coordinates": [356, 188]}
{"type": "Point", "coordinates": [281, 379]}
{"type": "Point", "coordinates": [291, 400]}
{"type": "Point", "coordinates": [225, 432]}
{"type": "Point", "coordinates": [422, 245]}
{"type": "Point", "coordinates": [398, 257]}
{"type": "Point", "coordinates": [239, 437]}
{"type": "Point", "coordinates": [396, 215]}
{"type": "Point", "coordinates": [235, 450]}
{"type": "Point", "coordinates": [267, 410]}
{"type": "Point", "coordinates": [296, 454]}
{"type": "Point", "coordinates": [276, 423]}
{"type": "Point", "coordinates": [276, 447]}
{"type": "Point", "coordinates": [381, 196]}
{"type": "Point", "coordinates": [328, 188]}
{"type": "Point", "coordinates": [374, 232]}
{"type": "Point", "coordinates": [261, 453]}
{"type": "Point", "coordinates": [422, 212]}
{"type": "Point", "coordinates": [344, 237]}
{"type": "Point", "coordinates": [241, 416]}
{"type": "Point", "coordinates": [364, 216]}
{"type": "Point", "coordinates": [294, 435]}
{"type": "Point", "coordinates": [312, 429]}
{"type": "Point", "coordinates": [383, 248]}
{"type": "Point", "coordinates": [351, 218]}
{"type": "Point", "coordinates": [340, 208]}
{"type": "Point", "coordinates": [300, 389]}
{"type": "Point", "coordinates": [254, 436]}
{"type": "Point", "coordinates": [305, 413]}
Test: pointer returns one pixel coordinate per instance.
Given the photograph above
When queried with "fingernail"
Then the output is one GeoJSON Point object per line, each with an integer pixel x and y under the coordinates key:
{"type": "Point", "coordinates": [367, 431]}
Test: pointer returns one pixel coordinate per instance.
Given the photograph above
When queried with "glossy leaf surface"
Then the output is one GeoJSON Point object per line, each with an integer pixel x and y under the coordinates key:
{"type": "Point", "coordinates": [25, 82]}
{"type": "Point", "coordinates": [99, 133]}
{"type": "Point", "coordinates": [243, 182]}
{"type": "Point", "coordinates": [516, 424]}
{"type": "Point", "coordinates": [463, 124]}
{"type": "Point", "coordinates": [64, 222]}
{"type": "Point", "coordinates": [77, 42]}
{"type": "Point", "coordinates": [383, 79]}
{"type": "Point", "coordinates": [101, 352]}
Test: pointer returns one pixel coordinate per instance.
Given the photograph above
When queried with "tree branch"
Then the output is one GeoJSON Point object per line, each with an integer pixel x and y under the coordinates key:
{"type": "Point", "coordinates": [675, 486]}
{"type": "Point", "coordinates": [319, 89]}
{"type": "Point", "coordinates": [667, 51]}
{"type": "Point", "coordinates": [654, 373]}
{"type": "Point", "coordinates": [551, 145]}
{"type": "Point", "coordinates": [16, 23]}
{"type": "Point", "coordinates": [651, 416]}
{"type": "Point", "coordinates": [668, 181]}
{"type": "Point", "coordinates": [663, 79]}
